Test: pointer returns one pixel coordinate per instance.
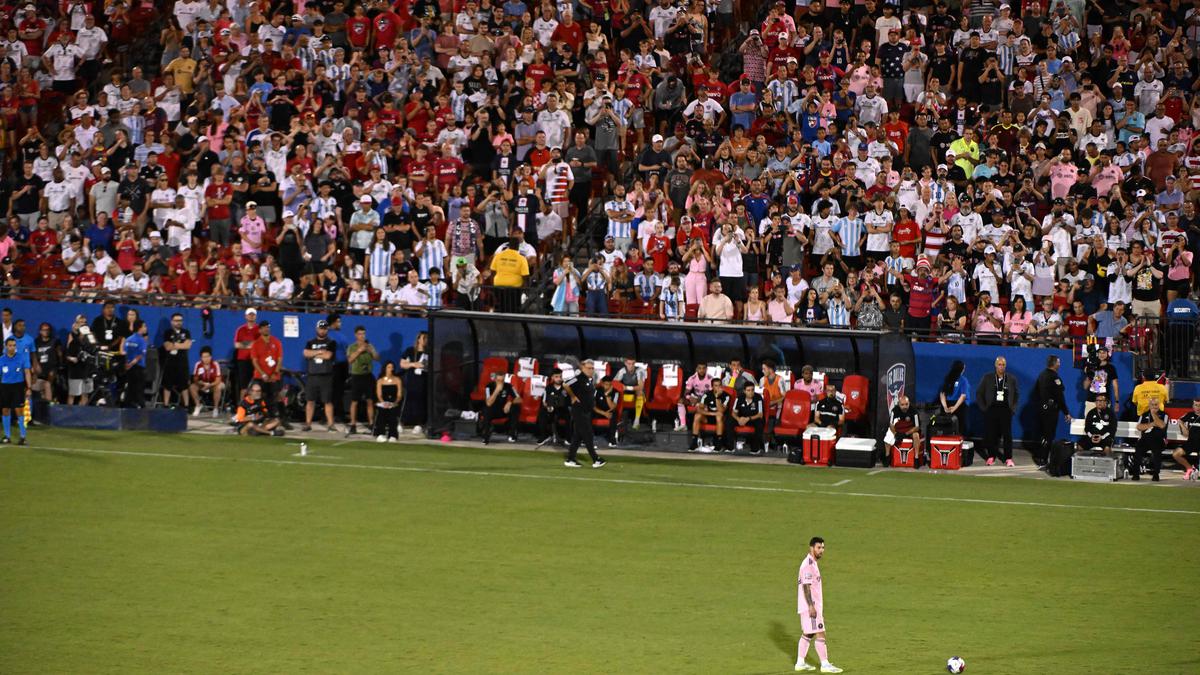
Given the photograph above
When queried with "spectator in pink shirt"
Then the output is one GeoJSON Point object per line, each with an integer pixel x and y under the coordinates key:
{"type": "Point", "coordinates": [987, 318]}
{"type": "Point", "coordinates": [1018, 318]}
{"type": "Point", "coordinates": [1063, 173]}
{"type": "Point", "coordinates": [251, 229]}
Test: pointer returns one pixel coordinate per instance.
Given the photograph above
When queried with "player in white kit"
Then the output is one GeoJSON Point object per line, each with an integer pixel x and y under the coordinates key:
{"type": "Point", "coordinates": [810, 607]}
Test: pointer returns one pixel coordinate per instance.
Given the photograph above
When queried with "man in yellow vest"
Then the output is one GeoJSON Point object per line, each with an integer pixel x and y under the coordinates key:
{"type": "Point", "coordinates": [510, 269]}
{"type": "Point", "coordinates": [966, 151]}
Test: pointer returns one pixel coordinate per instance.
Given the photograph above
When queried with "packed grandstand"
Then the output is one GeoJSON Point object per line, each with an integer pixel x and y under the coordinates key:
{"type": "Point", "coordinates": [969, 170]}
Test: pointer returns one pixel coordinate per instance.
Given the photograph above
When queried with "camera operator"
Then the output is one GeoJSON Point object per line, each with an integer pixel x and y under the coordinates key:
{"type": "Point", "coordinates": [1100, 377]}
{"type": "Point", "coordinates": [1099, 427]}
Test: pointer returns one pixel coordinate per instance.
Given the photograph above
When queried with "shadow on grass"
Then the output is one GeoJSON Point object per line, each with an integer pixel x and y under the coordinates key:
{"type": "Point", "coordinates": [782, 638]}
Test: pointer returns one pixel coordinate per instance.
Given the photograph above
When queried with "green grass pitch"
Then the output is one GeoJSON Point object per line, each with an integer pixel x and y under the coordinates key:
{"type": "Point", "coordinates": [138, 553]}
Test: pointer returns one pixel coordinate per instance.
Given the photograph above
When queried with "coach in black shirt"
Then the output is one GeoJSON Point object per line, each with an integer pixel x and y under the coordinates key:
{"type": "Point", "coordinates": [829, 411]}
{"type": "Point", "coordinates": [581, 389]}
{"type": "Point", "coordinates": [1189, 428]}
{"type": "Point", "coordinates": [1153, 425]}
{"type": "Point", "coordinates": [319, 354]}
{"type": "Point", "coordinates": [748, 411]}
{"type": "Point", "coordinates": [1099, 427]}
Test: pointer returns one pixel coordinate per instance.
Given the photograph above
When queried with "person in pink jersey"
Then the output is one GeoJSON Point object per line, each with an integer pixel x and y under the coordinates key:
{"type": "Point", "coordinates": [810, 606]}
{"type": "Point", "coordinates": [694, 389]}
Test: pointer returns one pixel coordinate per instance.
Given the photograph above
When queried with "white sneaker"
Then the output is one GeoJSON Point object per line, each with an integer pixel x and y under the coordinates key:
{"type": "Point", "coordinates": [196, 412]}
{"type": "Point", "coordinates": [830, 668]}
{"type": "Point", "coordinates": [393, 439]}
{"type": "Point", "coordinates": [679, 427]}
{"type": "Point", "coordinates": [216, 413]}
{"type": "Point", "coordinates": [572, 463]}
{"type": "Point", "coordinates": [381, 439]}
{"type": "Point", "coordinates": [804, 666]}
{"type": "Point", "coordinates": [598, 463]}
{"type": "Point", "coordinates": [706, 449]}
{"type": "Point", "coordinates": [399, 429]}
{"type": "Point", "coordinates": [418, 430]}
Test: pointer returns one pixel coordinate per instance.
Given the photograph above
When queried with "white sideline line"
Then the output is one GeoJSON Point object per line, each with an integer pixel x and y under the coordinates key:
{"type": "Point", "coordinates": [872, 473]}
{"type": "Point", "coordinates": [621, 481]}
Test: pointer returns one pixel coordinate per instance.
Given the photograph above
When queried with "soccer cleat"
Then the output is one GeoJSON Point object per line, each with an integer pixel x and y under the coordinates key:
{"type": "Point", "coordinates": [1190, 473]}
{"type": "Point", "coordinates": [611, 444]}
{"type": "Point", "coordinates": [6, 440]}
{"type": "Point", "coordinates": [830, 668]}
{"type": "Point", "coordinates": [804, 666]}
{"type": "Point", "coordinates": [393, 439]}
{"type": "Point", "coordinates": [381, 439]}
{"type": "Point", "coordinates": [418, 430]}
{"type": "Point", "coordinates": [22, 441]}
{"type": "Point", "coordinates": [991, 461]}
{"type": "Point", "coordinates": [705, 449]}
{"type": "Point", "coordinates": [680, 427]}
{"type": "Point", "coordinates": [512, 439]}
{"type": "Point", "coordinates": [572, 463]}
{"type": "Point", "coordinates": [598, 463]}
{"type": "Point", "coordinates": [1009, 463]}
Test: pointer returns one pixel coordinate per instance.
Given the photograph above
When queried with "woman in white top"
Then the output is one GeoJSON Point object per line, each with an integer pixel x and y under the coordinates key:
{"type": "Point", "coordinates": [281, 288]}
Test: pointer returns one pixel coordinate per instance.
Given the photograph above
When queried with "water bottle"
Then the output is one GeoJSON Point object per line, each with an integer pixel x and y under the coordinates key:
{"type": "Point", "coordinates": [303, 449]}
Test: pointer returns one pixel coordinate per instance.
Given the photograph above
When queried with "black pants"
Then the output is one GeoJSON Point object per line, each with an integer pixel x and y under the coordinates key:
{"type": "Point", "coordinates": [243, 374]}
{"type": "Point", "coordinates": [386, 421]}
{"type": "Point", "coordinates": [508, 299]}
{"type": "Point", "coordinates": [1179, 347]}
{"type": "Point", "coordinates": [581, 434]}
{"type": "Point", "coordinates": [488, 417]}
{"type": "Point", "coordinates": [1048, 426]}
{"type": "Point", "coordinates": [554, 424]}
{"type": "Point", "coordinates": [135, 387]}
{"type": "Point", "coordinates": [997, 429]}
{"type": "Point", "coordinates": [1147, 445]}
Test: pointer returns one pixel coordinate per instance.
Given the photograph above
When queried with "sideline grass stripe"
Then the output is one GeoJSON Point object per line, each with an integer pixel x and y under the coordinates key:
{"type": "Point", "coordinates": [622, 481]}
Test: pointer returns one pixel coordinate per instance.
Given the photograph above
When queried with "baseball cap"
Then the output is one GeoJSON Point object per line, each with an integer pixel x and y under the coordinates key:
{"type": "Point", "coordinates": [155, 233]}
{"type": "Point", "coordinates": [460, 261]}
{"type": "Point", "coordinates": [365, 199]}
{"type": "Point", "coordinates": [251, 312]}
{"type": "Point", "coordinates": [989, 250]}
{"type": "Point", "coordinates": [289, 214]}
{"type": "Point", "coordinates": [942, 167]}
{"type": "Point", "coordinates": [251, 205]}
{"type": "Point", "coordinates": [657, 138]}
{"type": "Point", "coordinates": [322, 324]}
{"type": "Point", "coordinates": [202, 139]}
{"type": "Point", "coordinates": [105, 169]}
{"type": "Point", "coordinates": [862, 146]}
{"type": "Point", "coordinates": [1140, 193]}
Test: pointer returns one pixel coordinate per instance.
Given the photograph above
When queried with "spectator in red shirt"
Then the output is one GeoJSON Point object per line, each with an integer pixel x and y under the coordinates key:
{"type": "Point", "coordinates": [908, 234]}
{"type": "Point", "coordinates": [217, 197]}
{"type": "Point", "coordinates": [922, 290]}
{"type": "Point", "coordinates": [192, 283]}
{"type": "Point", "coordinates": [243, 339]}
{"type": "Point", "coordinates": [447, 169]}
{"type": "Point", "coordinates": [358, 28]}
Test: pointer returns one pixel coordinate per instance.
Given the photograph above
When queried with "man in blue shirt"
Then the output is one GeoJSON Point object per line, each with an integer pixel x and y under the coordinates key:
{"type": "Point", "coordinates": [1182, 314]}
{"type": "Point", "coordinates": [135, 347]}
{"type": "Point", "coordinates": [25, 342]}
{"type": "Point", "coordinates": [15, 384]}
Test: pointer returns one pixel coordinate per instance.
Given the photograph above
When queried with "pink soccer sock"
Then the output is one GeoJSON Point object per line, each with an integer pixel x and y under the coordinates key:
{"type": "Point", "coordinates": [822, 652]}
{"type": "Point", "coordinates": [802, 649]}
{"type": "Point", "coordinates": [682, 415]}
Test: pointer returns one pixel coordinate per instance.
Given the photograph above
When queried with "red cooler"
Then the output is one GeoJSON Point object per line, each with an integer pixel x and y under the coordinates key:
{"type": "Point", "coordinates": [818, 445]}
{"type": "Point", "coordinates": [903, 454]}
{"type": "Point", "coordinates": [946, 452]}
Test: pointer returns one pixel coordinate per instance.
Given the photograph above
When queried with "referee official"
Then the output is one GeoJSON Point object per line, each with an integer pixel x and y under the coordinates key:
{"type": "Point", "coordinates": [581, 389]}
{"type": "Point", "coordinates": [15, 385]}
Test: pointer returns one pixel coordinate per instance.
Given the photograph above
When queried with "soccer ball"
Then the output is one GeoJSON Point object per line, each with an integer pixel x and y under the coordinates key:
{"type": "Point", "coordinates": [956, 665]}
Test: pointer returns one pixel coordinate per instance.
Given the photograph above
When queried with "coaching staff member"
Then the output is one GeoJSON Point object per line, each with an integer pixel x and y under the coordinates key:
{"type": "Point", "coordinates": [319, 353]}
{"type": "Point", "coordinates": [581, 389]}
{"type": "Point", "coordinates": [1052, 402]}
{"type": "Point", "coordinates": [997, 396]}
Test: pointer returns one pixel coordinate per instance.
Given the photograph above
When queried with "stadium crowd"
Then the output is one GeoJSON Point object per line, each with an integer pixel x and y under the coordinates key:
{"type": "Point", "coordinates": [973, 167]}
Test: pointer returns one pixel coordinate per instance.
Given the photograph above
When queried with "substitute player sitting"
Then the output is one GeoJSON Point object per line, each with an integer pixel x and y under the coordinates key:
{"type": "Point", "coordinates": [810, 606]}
{"type": "Point", "coordinates": [253, 416]}
{"type": "Point", "coordinates": [710, 410]}
{"type": "Point", "coordinates": [693, 390]}
{"type": "Point", "coordinates": [634, 381]}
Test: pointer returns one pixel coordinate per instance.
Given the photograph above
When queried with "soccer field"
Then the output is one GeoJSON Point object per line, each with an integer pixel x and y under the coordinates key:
{"type": "Point", "coordinates": [139, 553]}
